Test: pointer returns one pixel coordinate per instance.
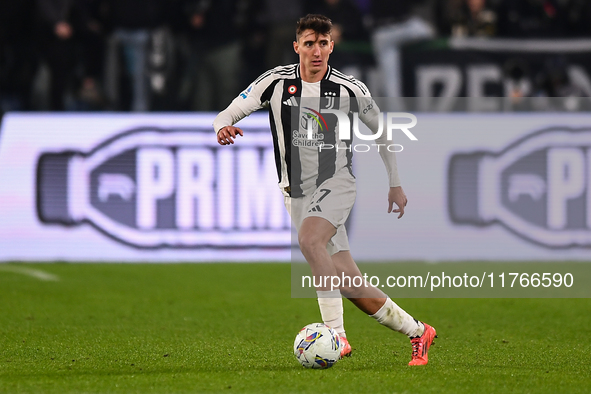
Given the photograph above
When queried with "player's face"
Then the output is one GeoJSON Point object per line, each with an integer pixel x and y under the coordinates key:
{"type": "Point", "coordinates": [314, 50]}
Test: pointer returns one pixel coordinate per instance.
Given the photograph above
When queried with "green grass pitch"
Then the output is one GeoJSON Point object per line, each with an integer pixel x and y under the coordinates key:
{"type": "Point", "coordinates": [191, 328]}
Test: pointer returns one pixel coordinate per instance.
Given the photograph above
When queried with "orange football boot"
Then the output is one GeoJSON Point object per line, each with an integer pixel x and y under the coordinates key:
{"type": "Point", "coordinates": [346, 349]}
{"type": "Point", "coordinates": [421, 345]}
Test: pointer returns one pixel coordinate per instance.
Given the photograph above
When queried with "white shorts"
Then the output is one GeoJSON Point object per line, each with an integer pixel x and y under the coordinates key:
{"type": "Point", "coordinates": [333, 201]}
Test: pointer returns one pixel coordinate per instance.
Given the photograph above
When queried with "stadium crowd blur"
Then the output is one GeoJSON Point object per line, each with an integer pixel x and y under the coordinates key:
{"type": "Point", "coordinates": [197, 55]}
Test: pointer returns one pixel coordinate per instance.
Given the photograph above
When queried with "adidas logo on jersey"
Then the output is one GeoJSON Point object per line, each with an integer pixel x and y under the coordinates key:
{"type": "Point", "coordinates": [315, 209]}
{"type": "Point", "coordinates": [292, 102]}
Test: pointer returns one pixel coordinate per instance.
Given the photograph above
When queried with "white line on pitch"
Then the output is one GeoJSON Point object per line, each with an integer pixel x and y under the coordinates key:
{"type": "Point", "coordinates": [38, 274]}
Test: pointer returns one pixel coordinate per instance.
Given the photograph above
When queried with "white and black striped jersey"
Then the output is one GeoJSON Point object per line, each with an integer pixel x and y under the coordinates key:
{"type": "Point", "coordinates": [298, 128]}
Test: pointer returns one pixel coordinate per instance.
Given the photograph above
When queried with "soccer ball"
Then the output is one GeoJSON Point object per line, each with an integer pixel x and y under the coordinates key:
{"type": "Point", "coordinates": [317, 346]}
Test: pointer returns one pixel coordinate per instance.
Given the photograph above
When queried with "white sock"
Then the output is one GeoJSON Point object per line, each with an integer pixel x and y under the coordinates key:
{"type": "Point", "coordinates": [331, 309]}
{"type": "Point", "coordinates": [395, 318]}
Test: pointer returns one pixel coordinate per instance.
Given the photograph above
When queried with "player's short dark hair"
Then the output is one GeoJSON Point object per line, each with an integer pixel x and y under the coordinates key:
{"type": "Point", "coordinates": [320, 24]}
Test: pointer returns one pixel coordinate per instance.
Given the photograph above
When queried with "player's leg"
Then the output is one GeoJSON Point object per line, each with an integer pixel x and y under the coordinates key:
{"type": "Point", "coordinates": [313, 236]}
{"type": "Point", "coordinates": [329, 302]}
{"type": "Point", "coordinates": [372, 300]}
{"type": "Point", "coordinates": [315, 233]}
{"type": "Point", "coordinates": [378, 305]}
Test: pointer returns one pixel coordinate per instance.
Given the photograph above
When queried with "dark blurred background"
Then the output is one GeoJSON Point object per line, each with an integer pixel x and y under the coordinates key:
{"type": "Point", "coordinates": [197, 55]}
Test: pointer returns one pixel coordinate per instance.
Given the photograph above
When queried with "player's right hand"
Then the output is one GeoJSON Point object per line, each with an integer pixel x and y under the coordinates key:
{"type": "Point", "coordinates": [227, 134]}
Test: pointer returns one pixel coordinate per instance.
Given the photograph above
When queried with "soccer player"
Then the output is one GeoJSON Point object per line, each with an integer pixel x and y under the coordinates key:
{"type": "Point", "coordinates": [317, 184]}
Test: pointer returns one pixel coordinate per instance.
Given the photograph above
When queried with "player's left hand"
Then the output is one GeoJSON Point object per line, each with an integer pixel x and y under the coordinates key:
{"type": "Point", "coordinates": [396, 196]}
{"type": "Point", "coordinates": [227, 134]}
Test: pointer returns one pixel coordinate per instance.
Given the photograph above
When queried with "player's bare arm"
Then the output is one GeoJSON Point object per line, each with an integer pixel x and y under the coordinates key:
{"type": "Point", "coordinates": [227, 134]}
{"type": "Point", "coordinates": [396, 196]}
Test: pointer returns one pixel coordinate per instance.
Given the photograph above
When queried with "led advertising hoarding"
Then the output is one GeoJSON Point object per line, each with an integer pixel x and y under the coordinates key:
{"type": "Point", "coordinates": [158, 187]}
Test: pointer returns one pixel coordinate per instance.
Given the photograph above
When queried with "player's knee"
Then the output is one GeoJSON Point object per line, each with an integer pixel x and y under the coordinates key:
{"type": "Point", "coordinates": [310, 242]}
